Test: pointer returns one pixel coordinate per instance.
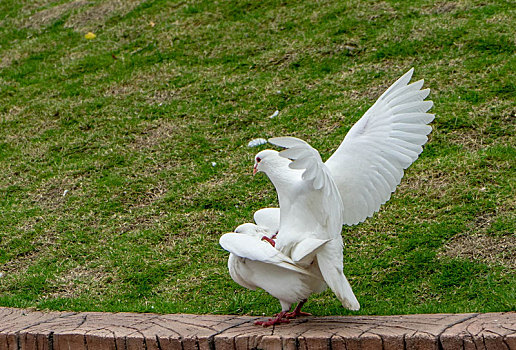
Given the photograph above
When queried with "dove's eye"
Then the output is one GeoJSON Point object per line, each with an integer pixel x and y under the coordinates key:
{"type": "Point", "coordinates": [258, 159]}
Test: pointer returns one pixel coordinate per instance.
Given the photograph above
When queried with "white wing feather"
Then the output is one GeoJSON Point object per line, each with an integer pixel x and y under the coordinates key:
{"type": "Point", "coordinates": [252, 248]}
{"type": "Point", "coordinates": [369, 163]}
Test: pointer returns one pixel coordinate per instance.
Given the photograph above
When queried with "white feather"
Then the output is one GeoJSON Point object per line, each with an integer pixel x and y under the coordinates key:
{"type": "Point", "coordinates": [384, 142]}
{"type": "Point", "coordinates": [253, 248]}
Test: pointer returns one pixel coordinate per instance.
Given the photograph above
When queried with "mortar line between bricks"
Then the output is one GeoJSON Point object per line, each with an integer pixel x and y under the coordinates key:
{"type": "Point", "coordinates": [157, 343]}
{"type": "Point", "coordinates": [134, 331]}
{"type": "Point", "coordinates": [381, 339]}
{"type": "Point", "coordinates": [470, 336]}
{"type": "Point", "coordinates": [144, 342]}
{"type": "Point", "coordinates": [85, 342]}
{"type": "Point", "coordinates": [85, 316]}
{"type": "Point", "coordinates": [330, 340]}
{"type": "Point", "coordinates": [114, 338]}
{"type": "Point", "coordinates": [504, 340]}
{"type": "Point", "coordinates": [51, 341]}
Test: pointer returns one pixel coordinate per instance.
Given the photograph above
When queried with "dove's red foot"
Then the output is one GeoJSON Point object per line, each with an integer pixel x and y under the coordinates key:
{"type": "Point", "coordinates": [279, 319]}
{"type": "Point", "coordinates": [297, 311]}
{"type": "Point", "coordinates": [271, 241]}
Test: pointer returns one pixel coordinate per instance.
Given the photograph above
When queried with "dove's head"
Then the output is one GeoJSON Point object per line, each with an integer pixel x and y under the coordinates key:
{"type": "Point", "coordinates": [254, 230]}
{"type": "Point", "coordinates": [246, 228]}
{"type": "Point", "coordinates": [250, 229]}
{"type": "Point", "coordinates": [266, 160]}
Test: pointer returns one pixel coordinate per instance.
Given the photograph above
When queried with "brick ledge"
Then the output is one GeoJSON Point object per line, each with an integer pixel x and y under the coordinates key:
{"type": "Point", "coordinates": [26, 329]}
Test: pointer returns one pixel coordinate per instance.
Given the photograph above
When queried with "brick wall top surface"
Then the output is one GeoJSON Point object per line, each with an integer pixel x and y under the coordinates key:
{"type": "Point", "coordinates": [39, 330]}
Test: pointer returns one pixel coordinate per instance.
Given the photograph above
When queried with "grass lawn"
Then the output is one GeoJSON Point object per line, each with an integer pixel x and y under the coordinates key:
{"type": "Point", "coordinates": [124, 158]}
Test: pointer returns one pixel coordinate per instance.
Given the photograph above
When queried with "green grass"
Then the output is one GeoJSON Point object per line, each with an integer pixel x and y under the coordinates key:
{"type": "Point", "coordinates": [130, 122]}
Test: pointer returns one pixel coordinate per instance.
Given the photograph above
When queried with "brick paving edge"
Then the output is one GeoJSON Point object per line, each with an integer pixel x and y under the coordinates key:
{"type": "Point", "coordinates": [53, 330]}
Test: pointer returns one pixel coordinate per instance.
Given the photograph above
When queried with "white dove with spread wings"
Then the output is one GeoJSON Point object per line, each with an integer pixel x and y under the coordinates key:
{"type": "Point", "coordinates": [317, 198]}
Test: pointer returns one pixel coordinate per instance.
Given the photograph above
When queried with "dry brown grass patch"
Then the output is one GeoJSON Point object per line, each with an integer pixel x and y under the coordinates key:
{"type": "Point", "coordinates": [19, 265]}
{"type": "Point", "coordinates": [77, 281]}
{"type": "Point", "coordinates": [47, 16]}
{"type": "Point", "coordinates": [95, 17]}
{"type": "Point", "coordinates": [52, 193]}
{"type": "Point", "coordinates": [11, 56]}
{"type": "Point", "coordinates": [489, 249]}
{"type": "Point", "coordinates": [440, 7]}
{"type": "Point", "coordinates": [157, 132]}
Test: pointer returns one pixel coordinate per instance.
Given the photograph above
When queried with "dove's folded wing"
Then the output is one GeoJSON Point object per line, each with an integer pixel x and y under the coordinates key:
{"type": "Point", "coordinates": [252, 248]}
{"type": "Point", "coordinates": [369, 163]}
{"type": "Point", "coordinates": [306, 249]}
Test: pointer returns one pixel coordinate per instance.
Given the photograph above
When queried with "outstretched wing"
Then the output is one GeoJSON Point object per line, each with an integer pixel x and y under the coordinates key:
{"type": "Point", "coordinates": [369, 163]}
{"type": "Point", "coordinates": [252, 248]}
{"type": "Point", "coordinates": [318, 175]}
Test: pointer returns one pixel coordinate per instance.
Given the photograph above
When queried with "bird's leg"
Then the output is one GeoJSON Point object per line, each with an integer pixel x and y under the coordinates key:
{"type": "Point", "coordinates": [297, 311]}
{"type": "Point", "coordinates": [279, 319]}
{"type": "Point", "coordinates": [271, 241]}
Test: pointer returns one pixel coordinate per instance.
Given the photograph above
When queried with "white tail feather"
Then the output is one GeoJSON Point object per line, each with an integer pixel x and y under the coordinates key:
{"type": "Point", "coordinates": [331, 270]}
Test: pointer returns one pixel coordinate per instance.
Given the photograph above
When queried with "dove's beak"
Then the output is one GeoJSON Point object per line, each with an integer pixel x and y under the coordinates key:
{"type": "Point", "coordinates": [255, 169]}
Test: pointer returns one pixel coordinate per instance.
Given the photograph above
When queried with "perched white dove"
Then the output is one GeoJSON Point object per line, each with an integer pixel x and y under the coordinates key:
{"type": "Point", "coordinates": [369, 163]}
{"type": "Point", "coordinates": [316, 198]}
{"type": "Point", "coordinates": [255, 263]}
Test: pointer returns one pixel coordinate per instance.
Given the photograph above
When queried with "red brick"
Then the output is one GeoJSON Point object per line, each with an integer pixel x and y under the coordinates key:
{"type": "Point", "coordinates": [189, 344]}
{"type": "Point", "coordinates": [170, 343]}
{"type": "Point", "coordinates": [34, 341]}
{"type": "Point", "coordinates": [510, 340]}
{"type": "Point", "coordinates": [100, 342]}
{"type": "Point", "coordinates": [134, 342]}
{"type": "Point", "coordinates": [422, 341]}
{"type": "Point", "coordinates": [224, 343]}
{"type": "Point", "coordinates": [68, 341]}
{"type": "Point", "coordinates": [12, 341]}
{"type": "Point", "coordinates": [271, 342]}
{"type": "Point", "coordinates": [338, 343]}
